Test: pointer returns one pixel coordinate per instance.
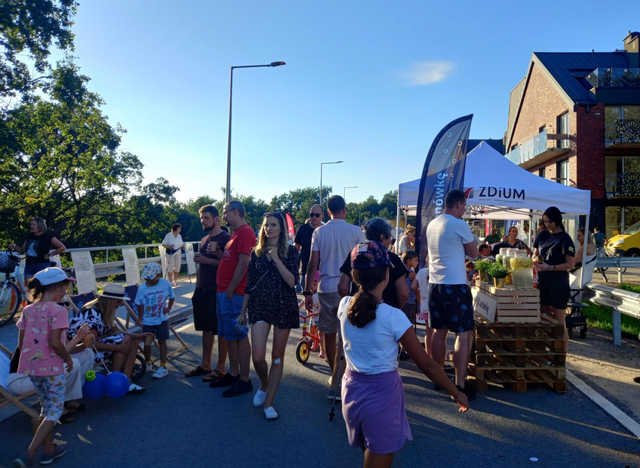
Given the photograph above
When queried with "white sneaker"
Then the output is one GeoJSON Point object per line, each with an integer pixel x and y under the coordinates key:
{"type": "Point", "coordinates": [271, 414]}
{"type": "Point", "coordinates": [160, 373]}
{"type": "Point", "coordinates": [259, 398]}
{"type": "Point", "coordinates": [134, 388]}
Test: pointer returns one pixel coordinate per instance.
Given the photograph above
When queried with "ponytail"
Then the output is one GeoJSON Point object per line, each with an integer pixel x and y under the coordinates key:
{"type": "Point", "coordinates": [36, 288]}
{"type": "Point", "coordinates": [362, 308]}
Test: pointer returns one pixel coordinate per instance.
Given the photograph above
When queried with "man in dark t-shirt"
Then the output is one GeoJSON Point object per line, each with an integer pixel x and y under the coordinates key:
{"type": "Point", "coordinates": [397, 291]}
{"type": "Point", "coordinates": [303, 239]}
{"type": "Point", "coordinates": [204, 297]}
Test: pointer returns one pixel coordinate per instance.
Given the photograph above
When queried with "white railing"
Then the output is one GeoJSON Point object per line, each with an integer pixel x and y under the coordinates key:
{"type": "Point", "coordinates": [620, 301]}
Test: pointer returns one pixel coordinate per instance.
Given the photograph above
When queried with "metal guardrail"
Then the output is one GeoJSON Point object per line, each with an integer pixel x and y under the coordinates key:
{"type": "Point", "coordinates": [619, 263]}
{"type": "Point", "coordinates": [620, 301]}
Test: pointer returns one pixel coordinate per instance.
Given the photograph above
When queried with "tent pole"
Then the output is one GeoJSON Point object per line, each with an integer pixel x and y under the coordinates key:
{"type": "Point", "coordinates": [398, 223]}
{"type": "Point", "coordinates": [585, 242]}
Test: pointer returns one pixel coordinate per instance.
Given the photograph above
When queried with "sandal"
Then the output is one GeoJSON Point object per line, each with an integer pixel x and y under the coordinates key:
{"type": "Point", "coordinates": [197, 372]}
{"type": "Point", "coordinates": [213, 376]}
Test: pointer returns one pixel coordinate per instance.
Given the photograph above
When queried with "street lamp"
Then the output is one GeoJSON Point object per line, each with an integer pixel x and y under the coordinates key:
{"type": "Point", "coordinates": [272, 64]}
{"type": "Point", "coordinates": [344, 191]}
{"type": "Point", "coordinates": [322, 164]}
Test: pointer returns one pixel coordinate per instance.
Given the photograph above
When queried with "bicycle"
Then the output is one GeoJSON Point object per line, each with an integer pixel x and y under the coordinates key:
{"type": "Point", "coordinates": [10, 289]}
{"type": "Point", "coordinates": [310, 339]}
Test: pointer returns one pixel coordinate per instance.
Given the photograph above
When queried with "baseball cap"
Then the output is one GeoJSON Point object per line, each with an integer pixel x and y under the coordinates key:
{"type": "Point", "coordinates": [367, 255]}
{"type": "Point", "coordinates": [52, 275]}
{"type": "Point", "coordinates": [151, 270]}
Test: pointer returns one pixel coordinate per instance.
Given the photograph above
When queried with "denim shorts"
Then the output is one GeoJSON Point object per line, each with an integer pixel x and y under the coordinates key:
{"type": "Point", "coordinates": [228, 312]}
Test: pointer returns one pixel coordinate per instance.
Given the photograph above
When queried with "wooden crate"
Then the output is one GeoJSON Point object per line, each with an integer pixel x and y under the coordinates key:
{"type": "Point", "coordinates": [519, 354]}
{"type": "Point", "coordinates": [513, 305]}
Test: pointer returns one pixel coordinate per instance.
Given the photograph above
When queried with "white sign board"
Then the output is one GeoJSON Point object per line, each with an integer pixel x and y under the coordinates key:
{"type": "Point", "coordinates": [163, 260]}
{"type": "Point", "coordinates": [483, 304]}
{"type": "Point", "coordinates": [191, 265]}
{"type": "Point", "coordinates": [84, 271]}
{"type": "Point", "coordinates": [131, 265]}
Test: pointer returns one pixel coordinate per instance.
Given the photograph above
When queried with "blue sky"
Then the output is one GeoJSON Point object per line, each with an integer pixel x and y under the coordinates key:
{"type": "Point", "coordinates": [369, 83]}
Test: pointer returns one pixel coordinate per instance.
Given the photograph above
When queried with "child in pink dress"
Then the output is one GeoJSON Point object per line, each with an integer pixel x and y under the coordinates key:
{"type": "Point", "coordinates": [43, 357]}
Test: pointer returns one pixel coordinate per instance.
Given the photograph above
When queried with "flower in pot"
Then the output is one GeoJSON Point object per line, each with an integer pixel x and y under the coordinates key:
{"type": "Point", "coordinates": [483, 269]}
{"type": "Point", "coordinates": [498, 273]}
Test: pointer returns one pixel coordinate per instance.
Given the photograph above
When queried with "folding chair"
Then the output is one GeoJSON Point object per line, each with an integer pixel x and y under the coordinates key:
{"type": "Point", "coordinates": [81, 299]}
{"type": "Point", "coordinates": [7, 398]}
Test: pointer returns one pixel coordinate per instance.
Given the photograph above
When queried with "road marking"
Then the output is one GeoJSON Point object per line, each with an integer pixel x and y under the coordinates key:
{"type": "Point", "coordinates": [611, 409]}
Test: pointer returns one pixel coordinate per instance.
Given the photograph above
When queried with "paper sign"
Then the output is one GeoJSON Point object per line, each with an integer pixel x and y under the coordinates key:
{"type": "Point", "coordinates": [191, 265]}
{"type": "Point", "coordinates": [483, 304]}
{"type": "Point", "coordinates": [163, 261]}
{"type": "Point", "coordinates": [131, 265]}
{"type": "Point", "coordinates": [84, 272]}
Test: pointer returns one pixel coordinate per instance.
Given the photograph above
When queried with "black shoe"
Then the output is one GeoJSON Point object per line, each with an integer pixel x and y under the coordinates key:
{"type": "Point", "coordinates": [226, 380]}
{"type": "Point", "coordinates": [240, 387]}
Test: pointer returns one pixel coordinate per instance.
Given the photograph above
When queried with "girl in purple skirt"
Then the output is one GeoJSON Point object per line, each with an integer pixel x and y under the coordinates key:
{"type": "Point", "coordinates": [372, 394]}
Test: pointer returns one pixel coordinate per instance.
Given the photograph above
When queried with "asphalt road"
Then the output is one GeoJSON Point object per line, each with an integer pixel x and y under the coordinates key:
{"type": "Point", "coordinates": [182, 422]}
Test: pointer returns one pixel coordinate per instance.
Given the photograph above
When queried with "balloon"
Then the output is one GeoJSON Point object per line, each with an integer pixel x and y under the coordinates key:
{"type": "Point", "coordinates": [94, 389]}
{"type": "Point", "coordinates": [117, 385]}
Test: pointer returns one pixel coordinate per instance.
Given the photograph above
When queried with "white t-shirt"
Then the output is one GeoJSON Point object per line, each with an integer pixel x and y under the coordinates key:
{"type": "Point", "coordinates": [334, 240]}
{"type": "Point", "coordinates": [446, 236]}
{"type": "Point", "coordinates": [423, 287]}
{"type": "Point", "coordinates": [373, 349]}
{"type": "Point", "coordinates": [175, 242]}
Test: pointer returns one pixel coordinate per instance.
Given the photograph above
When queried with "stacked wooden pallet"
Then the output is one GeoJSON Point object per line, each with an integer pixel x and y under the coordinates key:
{"type": "Point", "coordinates": [510, 304]}
{"type": "Point", "coordinates": [519, 354]}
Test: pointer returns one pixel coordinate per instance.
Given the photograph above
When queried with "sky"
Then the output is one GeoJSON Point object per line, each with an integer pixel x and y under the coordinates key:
{"type": "Point", "coordinates": [370, 83]}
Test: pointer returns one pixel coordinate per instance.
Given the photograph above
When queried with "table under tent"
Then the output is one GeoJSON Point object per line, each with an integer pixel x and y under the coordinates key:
{"type": "Point", "coordinates": [501, 190]}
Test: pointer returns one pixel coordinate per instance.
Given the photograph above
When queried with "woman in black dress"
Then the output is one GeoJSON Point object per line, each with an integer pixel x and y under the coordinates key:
{"type": "Point", "coordinates": [270, 299]}
{"type": "Point", "coordinates": [553, 255]}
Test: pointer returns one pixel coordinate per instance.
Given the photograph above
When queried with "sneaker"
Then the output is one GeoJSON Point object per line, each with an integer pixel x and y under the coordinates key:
{"type": "Point", "coordinates": [271, 414]}
{"type": "Point", "coordinates": [259, 398]}
{"type": "Point", "coordinates": [149, 367]}
{"type": "Point", "coordinates": [135, 388]}
{"type": "Point", "coordinates": [49, 459]}
{"type": "Point", "coordinates": [226, 381]}
{"type": "Point", "coordinates": [240, 387]}
{"type": "Point", "coordinates": [160, 373]}
{"type": "Point", "coordinates": [21, 462]}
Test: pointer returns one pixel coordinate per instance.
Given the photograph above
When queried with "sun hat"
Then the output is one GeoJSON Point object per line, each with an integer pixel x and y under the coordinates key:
{"type": "Point", "coordinates": [151, 270]}
{"type": "Point", "coordinates": [52, 275]}
{"type": "Point", "coordinates": [367, 255]}
{"type": "Point", "coordinates": [114, 291]}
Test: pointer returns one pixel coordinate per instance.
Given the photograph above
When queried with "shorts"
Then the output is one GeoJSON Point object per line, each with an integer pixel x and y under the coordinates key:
{"type": "Point", "coordinates": [204, 310]}
{"type": "Point", "coordinates": [554, 291]}
{"type": "Point", "coordinates": [51, 392]}
{"type": "Point", "coordinates": [373, 411]}
{"type": "Point", "coordinates": [30, 269]}
{"type": "Point", "coordinates": [228, 315]}
{"type": "Point", "coordinates": [450, 307]}
{"type": "Point", "coordinates": [328, 318]}
{"type": "Point", "coordinates": [174, 262]}
{"type": "Point", "coordinates": [160, 331]}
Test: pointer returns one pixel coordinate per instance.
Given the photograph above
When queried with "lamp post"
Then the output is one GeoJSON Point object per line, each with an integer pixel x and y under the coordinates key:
{"type": "Point", "coordinates": [322, 164]}
{"type": "Point", "coordinates": [227, 196]}
{"type": "Point", "coordinates": [344, 190]}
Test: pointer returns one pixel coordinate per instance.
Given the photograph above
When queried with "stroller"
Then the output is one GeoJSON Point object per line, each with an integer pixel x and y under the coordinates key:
{"type": "Point", "coordinates": [575, 319]}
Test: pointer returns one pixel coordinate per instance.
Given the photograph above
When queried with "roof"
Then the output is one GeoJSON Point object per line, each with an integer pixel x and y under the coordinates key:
{"type": "Point", "coordinates": [497, 145]}
{"type": "Point", "coordinates": [570, 68]}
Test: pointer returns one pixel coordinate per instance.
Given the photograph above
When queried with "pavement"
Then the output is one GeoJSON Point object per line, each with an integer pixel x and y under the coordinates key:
{"type": "Point", "coordinates": [182, 422]}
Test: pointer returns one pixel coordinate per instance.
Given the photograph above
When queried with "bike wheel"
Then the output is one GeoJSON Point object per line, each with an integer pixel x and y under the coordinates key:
{"type": "Point", "coordinates": [10, 299]}
{"type": "Point", "coordinates": [302, 352]}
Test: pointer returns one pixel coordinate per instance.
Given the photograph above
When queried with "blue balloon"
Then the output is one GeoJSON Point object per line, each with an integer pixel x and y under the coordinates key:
{"type": "Point", "coordinates": [95, 389]}
{"type": "Point", "coordinates": [117, 385]}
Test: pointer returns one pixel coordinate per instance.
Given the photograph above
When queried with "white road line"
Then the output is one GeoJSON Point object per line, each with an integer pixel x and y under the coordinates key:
{"type": "Point", "coordinates": [611, 409]}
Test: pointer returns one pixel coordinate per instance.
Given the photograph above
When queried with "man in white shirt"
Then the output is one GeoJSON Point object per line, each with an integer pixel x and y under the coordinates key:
{"type": "Point", "coordinates": [450, 303]}
{"type": "Point", "coordinates": [330, 245]}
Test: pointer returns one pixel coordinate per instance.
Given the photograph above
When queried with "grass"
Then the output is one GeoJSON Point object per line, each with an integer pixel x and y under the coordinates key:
{"type": "Point", "coordinates": [630, 287]}
{"type": "Point", "coordinates": [600, 317]}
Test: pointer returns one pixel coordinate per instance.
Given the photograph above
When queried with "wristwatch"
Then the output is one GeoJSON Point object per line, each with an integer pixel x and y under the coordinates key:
{"type": "Point", "coordinates": [306, 292]}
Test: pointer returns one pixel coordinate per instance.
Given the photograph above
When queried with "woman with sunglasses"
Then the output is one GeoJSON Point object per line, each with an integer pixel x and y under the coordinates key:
{"type": "Point", "coordinates": [270, 300]}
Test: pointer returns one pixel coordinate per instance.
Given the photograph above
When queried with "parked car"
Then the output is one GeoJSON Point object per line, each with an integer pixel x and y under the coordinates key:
{"type": "Point", "coordinates": [626, 243]}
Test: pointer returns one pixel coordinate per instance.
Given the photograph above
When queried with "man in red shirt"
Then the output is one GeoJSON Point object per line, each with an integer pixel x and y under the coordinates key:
{"type": "Point", "coordinates": [231, 281]}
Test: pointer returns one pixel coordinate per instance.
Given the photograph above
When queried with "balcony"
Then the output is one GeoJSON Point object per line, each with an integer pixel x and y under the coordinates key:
{"type": "Point", "coordinates": [622, 133]}
{"type": "Point", "coordinates": [614, 78]}
{"type": "Point", "coordinates": [540, 149]}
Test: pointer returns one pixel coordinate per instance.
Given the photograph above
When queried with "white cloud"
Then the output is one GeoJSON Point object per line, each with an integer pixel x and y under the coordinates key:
{"type": "Point", "coordinates": [428, 72]}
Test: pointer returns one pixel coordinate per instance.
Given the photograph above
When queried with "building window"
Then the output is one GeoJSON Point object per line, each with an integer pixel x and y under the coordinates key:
{"type": "Point", "coordinates": [621, 124]}
{"type": "Point", "coordinates": [541, 172]}
{"type": "Point", "coordinates": [562, 172]}
{"type": "Point", "coordinates": [622, 176]}
{"type": "Point", "coordinates": [562, 128]}
{"type": "Point", "coordinates": [621, 219]}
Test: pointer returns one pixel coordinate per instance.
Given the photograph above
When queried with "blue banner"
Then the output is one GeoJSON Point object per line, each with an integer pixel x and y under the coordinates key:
{"type": "Point", "coordinates": [443, 171]}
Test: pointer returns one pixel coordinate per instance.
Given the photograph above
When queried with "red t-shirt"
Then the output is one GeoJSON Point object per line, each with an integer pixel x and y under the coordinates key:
{"type": "Point", "coordinates": [242, 241]}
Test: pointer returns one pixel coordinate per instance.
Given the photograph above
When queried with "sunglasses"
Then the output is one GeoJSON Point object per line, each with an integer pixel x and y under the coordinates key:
{"type": "Point", "coordinates": [315, 215]}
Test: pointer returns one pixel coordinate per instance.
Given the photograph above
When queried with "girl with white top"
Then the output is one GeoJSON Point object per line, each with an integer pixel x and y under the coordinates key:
{"type": "Point", "coordinates": [173, 243]}
{"type": "Point", "coordinates": [372, 394]}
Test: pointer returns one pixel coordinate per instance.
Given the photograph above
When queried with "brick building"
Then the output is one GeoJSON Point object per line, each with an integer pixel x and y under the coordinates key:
{"type": "Point", "coordinates": [575, 118]}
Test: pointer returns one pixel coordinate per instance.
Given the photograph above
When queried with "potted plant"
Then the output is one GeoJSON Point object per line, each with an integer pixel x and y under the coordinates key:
{"type": "Point", "coordinates": [498, 273]}
{"type": "Point", "coordinates": [483, 269]}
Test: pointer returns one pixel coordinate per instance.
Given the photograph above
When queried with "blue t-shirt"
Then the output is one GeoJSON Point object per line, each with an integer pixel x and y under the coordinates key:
{"type": "Point", "coordinates": [153, 299]}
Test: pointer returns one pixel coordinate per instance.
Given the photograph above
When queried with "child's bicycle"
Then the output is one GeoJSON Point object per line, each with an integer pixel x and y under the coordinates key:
{"type": "Point", "coordinates": [310, 339]}
{"type": "Point", "coordinates": [11, 290]}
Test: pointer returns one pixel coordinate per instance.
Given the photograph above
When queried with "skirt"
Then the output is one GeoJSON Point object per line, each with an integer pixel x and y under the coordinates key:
{"type": "Point", "coordinates": [373, 411]}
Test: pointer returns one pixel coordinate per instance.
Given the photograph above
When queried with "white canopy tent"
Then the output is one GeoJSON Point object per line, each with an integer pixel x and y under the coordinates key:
{"type": "Point", "coordinates": [499, 189]}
